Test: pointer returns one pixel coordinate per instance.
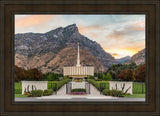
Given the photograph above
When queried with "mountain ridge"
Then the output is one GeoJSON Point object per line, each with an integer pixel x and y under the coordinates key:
{"type": "Point", "coordinates": [138, 58]}
{"type": "Point", "coordinates": [39, 50]}
{"type": "Point", "coordinates": [123, 59]}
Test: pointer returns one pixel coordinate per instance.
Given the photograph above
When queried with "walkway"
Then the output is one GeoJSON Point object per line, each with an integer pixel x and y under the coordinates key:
{"type": "Point", "coordinates": [93, 91]}
{"type": "Point", "coordinates": [78, 99]}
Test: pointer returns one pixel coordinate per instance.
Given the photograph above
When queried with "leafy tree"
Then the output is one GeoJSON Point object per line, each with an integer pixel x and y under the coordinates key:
{"type": "Point", "coordinates": [116, 69]}
{"type": "Point", "coordinates": [126, 75]}
{"type": "Point", "coordinates": [53, 76]}
{"type": "Point", "coordinates": [140, 73]}
{"type": "Point", "coordinates": [99, 75]}
{"type": "Point", "coordinates": [36, 74]}
{"type": "Point", "coordinates": [107, 77]}
{"type": "Point", "coordinates": [31, 74]}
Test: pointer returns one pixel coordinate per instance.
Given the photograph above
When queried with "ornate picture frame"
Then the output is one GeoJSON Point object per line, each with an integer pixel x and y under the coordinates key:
{"type": "Point", "coordinates": [150, 8]}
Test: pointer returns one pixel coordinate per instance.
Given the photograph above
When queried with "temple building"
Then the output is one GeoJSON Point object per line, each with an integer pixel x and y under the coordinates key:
{"type": "Point", "coordinates": [78, 71]}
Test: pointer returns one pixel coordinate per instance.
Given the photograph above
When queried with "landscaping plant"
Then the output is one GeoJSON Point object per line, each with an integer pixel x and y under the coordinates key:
{"type": "Point", "coordinates": [47, 92]}
{"type": "Point", "coordinates": [78, 91]}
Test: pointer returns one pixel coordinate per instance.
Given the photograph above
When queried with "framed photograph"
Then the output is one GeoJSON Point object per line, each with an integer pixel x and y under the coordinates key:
{"type": "Point", "coordinates": [80, 57]}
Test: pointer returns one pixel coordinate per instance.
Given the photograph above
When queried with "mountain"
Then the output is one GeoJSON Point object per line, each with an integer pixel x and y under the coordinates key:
{"type": "Point", "coordinates": [124, 59]}
{"type": "Point", "coordinates": [57, 48]}
{"type": "Point", "coordinates": [138, 58]}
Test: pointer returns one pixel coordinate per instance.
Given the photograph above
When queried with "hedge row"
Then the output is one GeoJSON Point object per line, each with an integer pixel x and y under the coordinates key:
{"type": "Point", "coordinates": [100, 85]}
{"type": "Point", "coordinates": [39, 93]}
{"type": "Point", "coordinates": [93, 82]}
{"type": "Point", "coordinates": [78, 90]}
{"type": "Point", "coordinates": [58, 83]}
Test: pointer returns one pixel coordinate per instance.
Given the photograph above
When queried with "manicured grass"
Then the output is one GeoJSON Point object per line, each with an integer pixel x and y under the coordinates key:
{"type": "Point", "coordinates": [20, 95]}
{"type": "Point", "coordinates": [136, 95]}
{"type": "Point", "coordinates": [18, 87]}
{"type": "Point", "coordinates": [138, 88]}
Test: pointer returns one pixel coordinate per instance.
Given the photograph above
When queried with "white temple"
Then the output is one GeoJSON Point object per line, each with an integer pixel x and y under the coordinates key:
{"type": "Point", "coordinates": [78, 71]}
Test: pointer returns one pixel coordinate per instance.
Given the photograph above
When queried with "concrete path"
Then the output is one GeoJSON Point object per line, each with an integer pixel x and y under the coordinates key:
{"type": "Point", "coordinates": [61, 91]}
{"type": "Point", "coordinates": [93, 91]}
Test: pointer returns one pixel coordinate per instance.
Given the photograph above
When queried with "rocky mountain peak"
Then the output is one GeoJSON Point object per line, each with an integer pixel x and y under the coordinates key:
{"type": "Point", "coordinates": [71, 28]}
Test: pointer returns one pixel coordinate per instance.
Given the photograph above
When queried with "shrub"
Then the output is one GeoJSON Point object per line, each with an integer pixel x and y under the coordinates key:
{"type": "Point", "coordinates": [70, 78]}
{"type": "Point", "coordinates": [91, 77]}
{"type": "Point", "coordinates": [36, 93]}
{"type": "Point", "coordinates": [78, 90]}
{"type": "Point", "coordinates": [113, 92]}
{"type": "Point", "coordinates": [47, 92]}
{"type": "Point", "coordinates": [85, 78]}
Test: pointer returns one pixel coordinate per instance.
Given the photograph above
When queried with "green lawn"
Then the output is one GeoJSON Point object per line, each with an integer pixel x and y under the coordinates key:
{"type": "Point", "coordinates": [136, 95]}
{"type": "Point", "coordinates": [138, 88]}
{"type": "Point", "coordinates": [18, 87]}
{"type": "Point", "coordinates": [19, 95]}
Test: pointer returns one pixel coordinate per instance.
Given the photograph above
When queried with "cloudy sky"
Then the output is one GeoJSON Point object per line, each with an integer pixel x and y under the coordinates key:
{"type": "Point", "coordinates": [119, 35]}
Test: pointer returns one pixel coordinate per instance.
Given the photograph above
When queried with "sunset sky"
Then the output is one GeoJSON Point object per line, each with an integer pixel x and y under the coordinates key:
{"type": "Point", "coordinates": [119, 35]}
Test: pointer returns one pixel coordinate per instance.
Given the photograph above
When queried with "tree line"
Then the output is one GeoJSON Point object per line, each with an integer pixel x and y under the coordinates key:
{"type": "Point", "coordinates": [125, 72]}
{"type": "Point", "coordinates": [130, 72]}
{"type": "Point", "coordinates": [34, 74]}
{"type": "Point", "coordinates": [31, 74]}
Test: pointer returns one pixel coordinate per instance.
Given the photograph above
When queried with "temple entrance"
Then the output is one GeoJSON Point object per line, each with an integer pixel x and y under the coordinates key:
{"type": "Point", "coordinates": [74, 85]}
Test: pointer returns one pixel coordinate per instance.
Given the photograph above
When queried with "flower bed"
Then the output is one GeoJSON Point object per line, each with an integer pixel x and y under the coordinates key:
{"type": "Point", "coordinates": [78, 93]}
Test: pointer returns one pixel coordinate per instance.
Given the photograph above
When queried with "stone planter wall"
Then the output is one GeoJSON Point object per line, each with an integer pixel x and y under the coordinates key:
{"type": "Point", "coordinates": [38, 84]}
{"type": "Point", "coordinates": [112, 85]}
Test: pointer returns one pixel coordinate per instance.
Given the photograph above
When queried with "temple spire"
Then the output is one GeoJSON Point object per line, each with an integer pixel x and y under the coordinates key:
{"type": "Point", "coordinates": [78, 58]}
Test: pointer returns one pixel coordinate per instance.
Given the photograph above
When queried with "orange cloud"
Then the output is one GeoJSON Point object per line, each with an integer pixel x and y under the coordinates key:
{"type": "Point", "coordinates": [115, 54]}
{"type": "Point", "coordinates": [119, 51]}
{"type": "Point", "coordinates": [32, 20]}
